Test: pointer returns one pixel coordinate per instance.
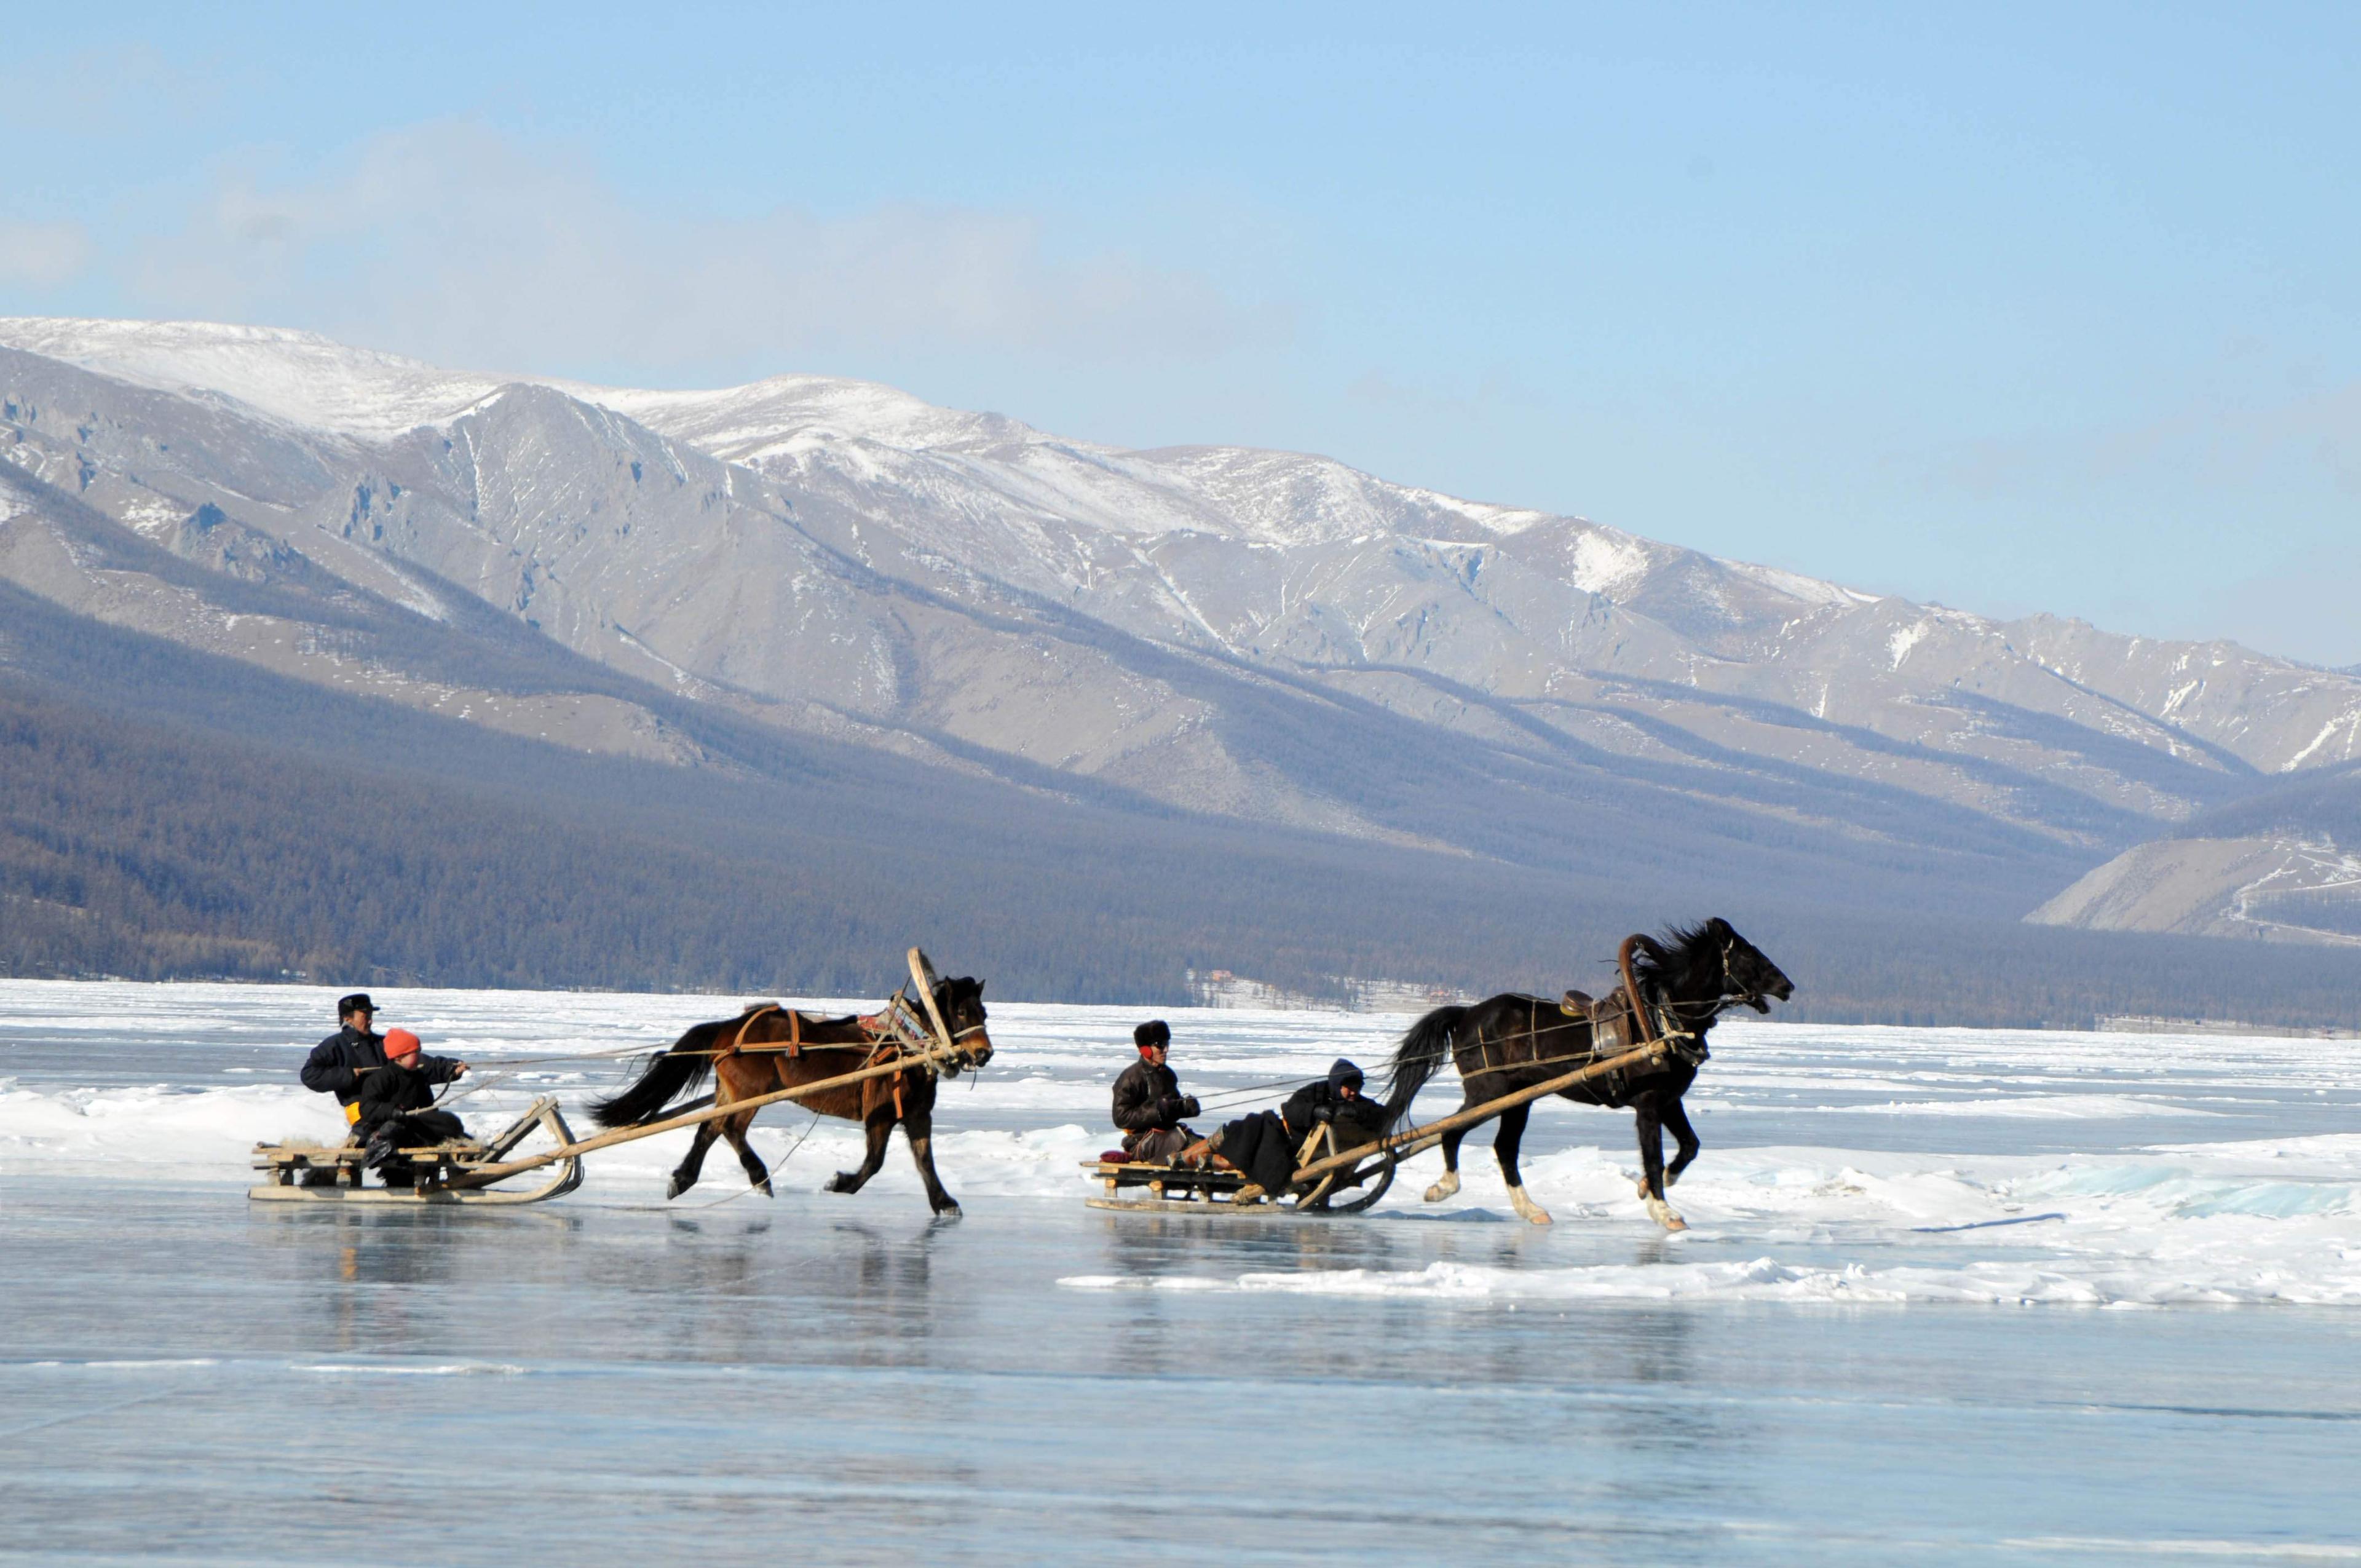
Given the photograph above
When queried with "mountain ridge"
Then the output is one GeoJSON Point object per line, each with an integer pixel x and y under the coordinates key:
{"type": "Point", "coordinates": [1259, 636]}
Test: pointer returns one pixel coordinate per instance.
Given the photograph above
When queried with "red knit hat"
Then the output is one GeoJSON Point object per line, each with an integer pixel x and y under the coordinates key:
{"type": "Point", "coordinates": [398, 1043]}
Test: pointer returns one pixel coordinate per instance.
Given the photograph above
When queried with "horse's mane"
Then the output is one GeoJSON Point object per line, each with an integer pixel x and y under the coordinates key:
{"type": "Point", "coordinates": [1660, 961]}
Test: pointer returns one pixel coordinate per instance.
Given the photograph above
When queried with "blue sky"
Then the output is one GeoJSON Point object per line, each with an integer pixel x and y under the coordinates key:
{"type": "Point", "coordinates": [2014, 308]}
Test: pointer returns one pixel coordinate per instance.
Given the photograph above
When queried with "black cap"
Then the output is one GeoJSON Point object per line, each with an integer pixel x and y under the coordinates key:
{"type": "Point", "coordinates": [359, 1002]}
{"type": "Point", "coordinates": [1154, 1032]}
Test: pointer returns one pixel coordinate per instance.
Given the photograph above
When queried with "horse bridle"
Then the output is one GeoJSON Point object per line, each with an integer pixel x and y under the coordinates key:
{"type": "Point", "coordinates": [1746, 997]}
{"type": "Point", "coordinates": [964, 1058]}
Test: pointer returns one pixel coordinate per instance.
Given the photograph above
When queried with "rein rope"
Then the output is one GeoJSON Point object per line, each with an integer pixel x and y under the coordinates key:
{"type": "Point", "coordinates": [794, 1045]}
{"type": "Point", "coordinates": [895, 1033]}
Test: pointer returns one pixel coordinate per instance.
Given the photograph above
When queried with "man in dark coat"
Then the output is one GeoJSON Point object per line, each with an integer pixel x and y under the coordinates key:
{"type": "Point", "coordinates": [1262, 1148]}
{"type": "Point", "coordinates": [336, 1063]}
{"type": "Point", "coordinates": [398, 1100]}
{"type": "Point", "coordinates": [1148, 1105]}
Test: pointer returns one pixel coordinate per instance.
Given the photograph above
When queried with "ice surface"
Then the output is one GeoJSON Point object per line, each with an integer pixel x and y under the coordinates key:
{"type": "Point", "coordinates": [1919, 1131]}
{"type": "Point", "coordinates": [1822, 1366]}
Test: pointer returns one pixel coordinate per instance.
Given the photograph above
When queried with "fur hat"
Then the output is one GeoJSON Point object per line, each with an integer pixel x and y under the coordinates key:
{"type": "Point", "coordinates": [1152, 1034]}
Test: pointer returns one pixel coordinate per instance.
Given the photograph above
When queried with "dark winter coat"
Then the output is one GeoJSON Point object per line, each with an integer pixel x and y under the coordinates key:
{"type": "Point", "coordinates": [1323, 1100]}
{"type": "Point", "coordinates": [392, 1091]}
{"type": "Point", "coordinates": [336, 1063]}
{"type": "Point", "coordinates": [1261, 1150]}
{"type": "Point", "coordinates": [1263, 1146]}
{"type": "Point", "coordinates": [1148, 1099]}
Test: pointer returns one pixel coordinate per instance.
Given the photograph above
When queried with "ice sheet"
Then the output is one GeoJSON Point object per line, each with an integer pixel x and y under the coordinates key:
{"type": "Point", "coordinates": [1970, 1129]}
{"type": "Point", "coordinates": [1887, 1338]}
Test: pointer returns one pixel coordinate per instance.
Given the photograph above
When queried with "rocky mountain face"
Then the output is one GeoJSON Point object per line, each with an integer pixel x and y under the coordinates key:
{"type": "Point", "coordinates": [1268, 637]}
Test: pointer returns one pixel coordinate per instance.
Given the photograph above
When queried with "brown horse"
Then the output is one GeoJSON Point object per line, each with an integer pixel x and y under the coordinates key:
{"type": "Point", "coordinates": [767, 1047]}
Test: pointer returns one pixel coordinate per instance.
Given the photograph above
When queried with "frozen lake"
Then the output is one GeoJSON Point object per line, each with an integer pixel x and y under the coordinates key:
{"type": "Point", "coordinates": [1949, 1296]}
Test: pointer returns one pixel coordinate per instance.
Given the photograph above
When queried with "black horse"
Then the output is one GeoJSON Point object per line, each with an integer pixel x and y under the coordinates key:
{"type": "Point", "coordinates": [1513, 1042]}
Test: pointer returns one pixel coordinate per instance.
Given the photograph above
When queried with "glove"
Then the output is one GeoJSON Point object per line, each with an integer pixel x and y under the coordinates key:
{"type": "Point", "coordinates": [1189, 1106]}
{"type": "Point", "coordinates": [1168, 1108]}
{"type": "Point", "coordinates": [1324, 1112]}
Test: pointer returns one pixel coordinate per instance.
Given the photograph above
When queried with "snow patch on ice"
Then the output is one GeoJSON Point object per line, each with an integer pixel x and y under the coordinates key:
{"type": "Point", "coordinates": [1990, 1282]}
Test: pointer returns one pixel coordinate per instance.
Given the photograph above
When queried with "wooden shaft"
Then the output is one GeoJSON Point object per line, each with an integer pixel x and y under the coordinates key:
{"type": "Point", "coordinates": [711, 1112]}
{"type": "Point", "coordinates": [924, 973]}
{"type": "Point", "coordinates": [1640, 1023]}
{"type": "Point", "coordinates": [781, 1048]}
{"type": "Point", "coordinates": [1652, 1052]}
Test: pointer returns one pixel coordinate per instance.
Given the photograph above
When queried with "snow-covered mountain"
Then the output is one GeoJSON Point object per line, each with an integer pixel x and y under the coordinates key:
{"type": "Point", "coordinates": [1266, 635]}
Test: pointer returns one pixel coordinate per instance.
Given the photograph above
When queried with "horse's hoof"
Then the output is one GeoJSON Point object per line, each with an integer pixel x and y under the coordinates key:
{"type": "Point", "coordinates": [764, 1188]}
{"type": "Point", "coordinates": [1444, 1187]}
{"type": "Point", "coordinates": [840, 1182]}
{"type": "Point", "coordinates": [1532, 1213]}
{"type": "Point", "coordinates": [947, 1210]}
{"type": "Point", "coordinates": [673, 1189]}
{"type": "Point", "coordinates": [1665, 1215]}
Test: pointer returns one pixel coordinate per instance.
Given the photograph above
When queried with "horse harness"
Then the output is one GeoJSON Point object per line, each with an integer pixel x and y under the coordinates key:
{"type": "Point", "coordinates": [1627, 1015]}
{"type": "Point", "coordinates": [892, 1030]}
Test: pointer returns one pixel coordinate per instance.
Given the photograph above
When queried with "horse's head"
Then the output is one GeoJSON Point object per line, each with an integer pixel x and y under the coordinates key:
{"type": "Point", "coordinates": [1748, 976]}
{"type": "Point", "coordinates": [961, 1001]}
{"type": "Point", "coordinates": [1704, 969]}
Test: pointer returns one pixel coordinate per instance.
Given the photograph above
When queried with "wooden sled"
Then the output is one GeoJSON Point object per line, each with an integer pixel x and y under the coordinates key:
{"type": "Point", "coordinates": [1318, 1176]}
{"type": "Point", "coordinates": [454, 1172]}
{"type": "Point", "coordinates": [1177, 1189]}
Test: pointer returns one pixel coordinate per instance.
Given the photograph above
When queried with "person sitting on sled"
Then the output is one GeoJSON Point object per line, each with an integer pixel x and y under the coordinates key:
{"type": "Point", "coordinates": [336, 1063]}
{"type": "Point", "coordinates": [397, 1100]}
{"type": "Point", "coordinates": [1262, 1148]}
{"type": "Point", "coordinates": [1148, 1105]}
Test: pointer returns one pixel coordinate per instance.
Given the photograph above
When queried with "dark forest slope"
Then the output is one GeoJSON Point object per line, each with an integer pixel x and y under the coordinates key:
{"type": "Point", "coordinates": [163, 813]}
{"type": "Point", "coordinates": [2327, 804]}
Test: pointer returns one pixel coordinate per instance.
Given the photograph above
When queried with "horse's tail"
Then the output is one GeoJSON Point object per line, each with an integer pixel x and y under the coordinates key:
{"type": "Point", "coordinates": [675, 1072]}
{"type": "Point", "coordinates": [1422, 1051]}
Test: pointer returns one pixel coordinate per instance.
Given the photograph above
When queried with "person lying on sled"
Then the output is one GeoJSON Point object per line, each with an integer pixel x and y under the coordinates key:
{"type": "Point", "coordinates": [1148, 1105]}
{"type": "Point", "coordinates": [1262, 1148]}
{"type": "Point", "coordinates": [398, 1100]}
